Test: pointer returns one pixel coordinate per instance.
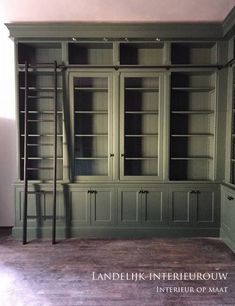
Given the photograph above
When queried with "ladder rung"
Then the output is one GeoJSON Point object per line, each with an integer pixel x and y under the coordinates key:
{"type": "Point", "coordinates": [41, 88]}
{"type": "Point", "coordinates": [40, 168]}
{"type": "Point", "coordinates": [39, 145]}
{"type": "Point", "coordinates": [41, 112]}
{"type": "Point", "coordinates": [40, 97]}
{"type": "Point", "coordinates": [41, 135]}
{"type": "Point", "coordinates": [38, 120]}
{"type": "Point", "coordinates": [40, 158]}
{"type": "Point", "coordinates": [43, 191]}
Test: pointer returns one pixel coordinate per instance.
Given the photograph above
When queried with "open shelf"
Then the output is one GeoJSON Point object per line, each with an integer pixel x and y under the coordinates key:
{"type": "Point", "coordinates": [90, 53]}
{"type": "Point", "coordinates": [198, 53]}
{"type": "Point", "coordinates": [192, 125]}
{"type": "Point", "coordinates": [141, 53]}
{"type": "Point", "coordinates": [43, 52]}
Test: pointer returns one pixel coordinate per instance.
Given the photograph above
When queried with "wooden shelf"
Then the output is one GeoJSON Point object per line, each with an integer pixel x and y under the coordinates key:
{"type": "Point", "coordinates": [192, 135]}
{"type": "Point", "coordinates": [196, 89]}
{"type": "Point", "coordinates": [91, 135]}
{"type": "Point", "coordinates": [143, 112]}
{"type": "Point", "coordinates": [90, 88]}
{"type": "Point", "coordinates": [91, 112]}
{"type": "Point", "coordinates": [141, 158]}
{"type": "Point", "coordinates": [141, 135]}
{"type": "Point", "coordinates": [192, 158]}
{"type": "Point", "coordinates": [142, 89]}
{"type": "Point", "coordinates": [194, 112]}
{"type": "Point", "coordinates": [91, 158]}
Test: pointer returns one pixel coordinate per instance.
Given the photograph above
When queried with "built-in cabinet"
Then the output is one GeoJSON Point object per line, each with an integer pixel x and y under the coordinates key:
{"type": "Point", "coordinates": [194, 207]}
{"type": "Point", "coordinates": [138, 142]}
{"type": "Point", "coordinates": [227, 231]}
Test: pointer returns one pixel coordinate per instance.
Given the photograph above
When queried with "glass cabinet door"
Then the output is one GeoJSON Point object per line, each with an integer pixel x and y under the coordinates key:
{"type": "Point", "coordinates": [91, 103]}
{"type": "Point", "coordinates": [140, 125]}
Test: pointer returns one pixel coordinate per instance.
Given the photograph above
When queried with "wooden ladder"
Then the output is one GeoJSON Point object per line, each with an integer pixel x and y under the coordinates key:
{"type": "Point", "coordinates": [28, 97]}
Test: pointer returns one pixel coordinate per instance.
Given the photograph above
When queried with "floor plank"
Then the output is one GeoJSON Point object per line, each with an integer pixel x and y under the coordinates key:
{"type": "Point", "coordinates": [41, 274]}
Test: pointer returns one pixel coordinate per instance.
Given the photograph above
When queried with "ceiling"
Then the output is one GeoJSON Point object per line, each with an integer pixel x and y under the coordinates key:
{"type": "Point", "coordinates": [115, 11]}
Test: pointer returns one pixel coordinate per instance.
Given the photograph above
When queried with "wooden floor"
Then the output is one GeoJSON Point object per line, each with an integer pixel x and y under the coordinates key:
{"type": "Point", "coordinates": [40, 274]}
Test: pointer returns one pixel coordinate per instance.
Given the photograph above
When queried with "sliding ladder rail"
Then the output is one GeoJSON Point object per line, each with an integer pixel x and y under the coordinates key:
{"type": "Point", "coordinates": [55, 156]}
{"type": "Point", "coordinates": [25, 155]}
{"type": "Point", "coordinates": [26, 168]}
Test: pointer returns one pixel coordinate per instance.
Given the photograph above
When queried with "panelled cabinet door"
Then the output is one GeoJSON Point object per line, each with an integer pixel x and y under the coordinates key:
{"type": "Point", "coordinates": [228, 213]}
{"type": "Point", "coordinates": [91, 104]}
{"type": "Point", "coordinates": [181, 207]}
{"type": "Point", "coordinates": [153, 208]}
{"type": "Point", "coordinates": [195, 207]}
{"type": "Point", "coordinates": [80, 207]}
{"type": "Point", "coordinates": [102, 206]}
{"type": "Point", "coordinates": [141, 207]}
{"type": "Point", "coordinates": [129, 207]}
{"type": "Point", "coordinates": [206, 207]}
{"type": "Point", "coordinates": [141, 110]}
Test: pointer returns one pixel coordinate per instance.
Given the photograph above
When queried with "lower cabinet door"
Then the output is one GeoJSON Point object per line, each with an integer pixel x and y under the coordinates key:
{"type": "Point", "coordinates": [80, 206]}
{"type": "Point", "coordinates": [228, 213]}
{"type": "Point", "coordinates": [129, 207]}
{"type": "Point", "coordinates": [207, 209]}
{"type": "Point", "coordinates": [141, 207]}
{"type": "Point", "coordinates": [197, 207]}
{"type": "Point", "coordinates": [102, 206]}
{"type": "Point", "coordinates": [153, 210]}
{"type": "Point", "coordinates": [181, 207]}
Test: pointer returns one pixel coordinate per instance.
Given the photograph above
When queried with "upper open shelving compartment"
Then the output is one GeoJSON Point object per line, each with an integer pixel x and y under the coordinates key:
{"type": "Point", "coordinates": [142, 53]}
{"type": "Point", "coordinates": [196, 53]}
{"type": "Point", "coordinates": [41, 52]}
{"type": "Point", "coordinates": [93, 53]}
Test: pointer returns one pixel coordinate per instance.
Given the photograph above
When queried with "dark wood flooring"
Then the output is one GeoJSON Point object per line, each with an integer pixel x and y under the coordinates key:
{"type": "Point", "coordinates": [40, 274]}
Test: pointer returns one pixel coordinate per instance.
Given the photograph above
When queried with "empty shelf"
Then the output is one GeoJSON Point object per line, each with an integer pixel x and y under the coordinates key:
{"type": "Point", "coordinates": [142, 112]}
{"type": "Point", "coordinates": [192, 158]}
{"type": "Point", "coordinates": [193, 88]}
{"type": "Point", "coordinates": [142, 88]}
{"type": "Point", "coordinates": [90, 135]}
{"type": "Point", "coordinates": [91, 112]}
{"type": "Point", "coordinates": [194, 112]}
{"type": "Point", "coordinates": [140, 135]}
{"type": "Point", "coordinates": [192, 135]}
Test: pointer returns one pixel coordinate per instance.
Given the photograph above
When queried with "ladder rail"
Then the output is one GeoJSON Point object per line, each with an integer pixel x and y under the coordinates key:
{"type": "Point", "coordinates": [25, 156]}
{"type": "Point", "coordinates": [55, 156]}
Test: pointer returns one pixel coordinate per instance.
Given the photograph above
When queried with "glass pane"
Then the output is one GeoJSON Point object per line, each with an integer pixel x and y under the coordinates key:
{"type": "Point", "coordinates": [91, 125]}
{"type": "Point", "coordinates": [141, 167]}
{"type": "Point", "coordinates": [141, 105]}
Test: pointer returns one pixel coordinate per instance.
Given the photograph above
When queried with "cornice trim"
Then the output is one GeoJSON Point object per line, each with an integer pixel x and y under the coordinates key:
{"type": "Point", "coordinates": [165, 31]}
{"type": "Point", "coordinates": [229, 24]}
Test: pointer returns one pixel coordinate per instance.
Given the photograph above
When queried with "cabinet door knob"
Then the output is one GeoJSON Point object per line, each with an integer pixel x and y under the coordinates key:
{"type": "Point", "coordinates": [193, 191]}
{"type": "Point", "coordinates": [141, 191]}
{"type": "Point", "coordinates": [145, 191]}
{"type": "Point", "coordinates": [122, 155]}
{"type": "Point", "coordinates": [111, 155]}
{"type": "Point", "coordinates": [230, 198]}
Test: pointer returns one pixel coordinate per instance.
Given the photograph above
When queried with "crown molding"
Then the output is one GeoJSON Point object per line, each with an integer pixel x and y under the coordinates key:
{"type": "Point", "coordinates": [229, 24]}
{"type": "Point", "coordinates": [164, 31]}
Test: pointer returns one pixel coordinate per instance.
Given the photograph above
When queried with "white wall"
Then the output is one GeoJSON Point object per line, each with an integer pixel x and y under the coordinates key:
{"type": "Point", "coordinates": [7, 128]}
